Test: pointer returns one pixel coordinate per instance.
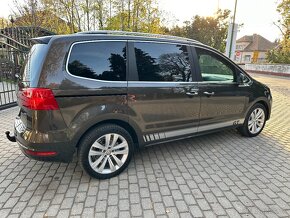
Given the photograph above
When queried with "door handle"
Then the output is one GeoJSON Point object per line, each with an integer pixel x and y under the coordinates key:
{"type": "Point", "coordinates": [192, 93]}
{"type": "Point", "coordinates": [208, 94]}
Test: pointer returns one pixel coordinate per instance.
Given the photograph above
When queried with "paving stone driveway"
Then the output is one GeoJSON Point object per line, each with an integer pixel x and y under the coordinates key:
{"type": "Point", "coordinates": [221, 174]}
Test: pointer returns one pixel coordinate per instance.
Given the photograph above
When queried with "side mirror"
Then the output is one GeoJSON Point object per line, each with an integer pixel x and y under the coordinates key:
{"type": "Point", "coordinates": [243, 80]}
{"type": "Point", "coordinates": [240, 78]}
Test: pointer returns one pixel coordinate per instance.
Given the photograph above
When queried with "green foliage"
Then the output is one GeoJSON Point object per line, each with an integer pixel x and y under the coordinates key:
{"type": "Point", "coordinates": [44, 19]}
{"type": "Point", "coordinates": [69, 16]}
{"type": "Point", "coordinates": [281, 54]}
{"type": "Point", "coordinates": [208, 30]}
{"type": "Point", "coordinates": [39, 14]}
{"type": "Point", "coordinates": [136, 15]}
{"type": "Point", "coordinates": [3, 22]}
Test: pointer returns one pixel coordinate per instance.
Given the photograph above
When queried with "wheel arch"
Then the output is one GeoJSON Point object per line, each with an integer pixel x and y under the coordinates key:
{"type": "Point", "coordinates": [264, 103]}
{"type": "Point", "coordinates": [120, 123]}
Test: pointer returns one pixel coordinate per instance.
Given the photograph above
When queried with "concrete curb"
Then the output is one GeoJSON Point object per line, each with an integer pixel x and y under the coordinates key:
{"type": "Point", "coordinates": [269, 73]}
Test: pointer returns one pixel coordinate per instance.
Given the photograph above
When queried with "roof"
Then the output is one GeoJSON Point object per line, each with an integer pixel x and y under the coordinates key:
{"type": "Point", "coordinates": [139, 35]}
{"type": "Point", "coordinates": [256, 43]}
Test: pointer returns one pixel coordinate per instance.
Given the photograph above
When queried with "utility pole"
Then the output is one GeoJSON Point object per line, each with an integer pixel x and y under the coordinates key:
{"type": "Point", "coordinates": [233, 29]}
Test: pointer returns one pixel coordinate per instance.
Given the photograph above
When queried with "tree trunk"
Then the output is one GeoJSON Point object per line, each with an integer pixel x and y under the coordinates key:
{"type": "Point", "coordinates": [122, 15]}
{"type": "Point", "coordinates": [88, 15]}
{"type": "Point", "coordinates": [129, 14]}
{"type": "Point", "coordinates": [137, 16]}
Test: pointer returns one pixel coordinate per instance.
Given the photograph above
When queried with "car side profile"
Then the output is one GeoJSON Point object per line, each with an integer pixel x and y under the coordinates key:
{"type": "Point", "coordinates": [105, 94]}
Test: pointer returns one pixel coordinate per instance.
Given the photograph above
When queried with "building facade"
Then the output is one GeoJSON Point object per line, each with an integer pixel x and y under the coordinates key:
{"type": "Point", "coordinates": [252, 49]}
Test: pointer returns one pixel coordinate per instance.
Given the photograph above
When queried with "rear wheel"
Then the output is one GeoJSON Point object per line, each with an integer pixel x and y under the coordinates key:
{"type": "Point", "coordinates": [105, 151]}
{"type": "Point", "coordinates": [254, 122]}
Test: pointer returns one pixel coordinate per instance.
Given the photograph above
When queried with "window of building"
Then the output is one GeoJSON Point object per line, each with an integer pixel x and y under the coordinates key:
{"type": "Point", "coordinates": [213, 67]}
{"type": "Point", "coordinates": [247, 58]}
{"type": "Point", "coordinates": [162, 62]}
{"type": "Point", "coordinates": [99, 60]}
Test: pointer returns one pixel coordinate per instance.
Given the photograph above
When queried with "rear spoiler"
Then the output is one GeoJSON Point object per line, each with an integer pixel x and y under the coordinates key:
{"type": "Point", "coordinates": [41, 40]}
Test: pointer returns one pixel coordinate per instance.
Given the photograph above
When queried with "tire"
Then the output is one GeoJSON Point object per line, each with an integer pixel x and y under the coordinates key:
{"type": "Point", "coordinates": [99, 155]}
{"type": "Point", "coordinates": [254, 122]}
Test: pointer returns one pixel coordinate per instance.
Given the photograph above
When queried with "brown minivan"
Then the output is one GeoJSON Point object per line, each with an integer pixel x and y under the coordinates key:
{"type": "Point", "coordinates": [105, 94]}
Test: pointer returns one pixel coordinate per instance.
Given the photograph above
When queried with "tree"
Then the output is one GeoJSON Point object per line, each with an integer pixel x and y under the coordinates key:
{"type": "Point", "coordinates": [86, 15]}
{"type": "Point", "coordinates": [281, 54]}
{"type": "Point", "coordinates": [136, 15]}
{"type": "Point", "coordinates": [27, 12]}
{"type": "Point", "coordinates": [102, 12]}
{"type": "Point", "coordinates": [208, 30]}
{"type": "Point", "coordinates": [3, 22]}
{"type": "Point", "coordinates": [35, 14]}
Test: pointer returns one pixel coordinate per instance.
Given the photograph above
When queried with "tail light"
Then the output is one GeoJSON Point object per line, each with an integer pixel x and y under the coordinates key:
{"type": "Point", "coordinates": [37, 99]}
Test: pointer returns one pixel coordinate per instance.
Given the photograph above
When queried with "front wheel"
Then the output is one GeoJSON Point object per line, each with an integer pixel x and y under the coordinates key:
{"type": "Point", "coordinates": [254, 122]}
{"type": "Point", "coordinates": [105, 151]}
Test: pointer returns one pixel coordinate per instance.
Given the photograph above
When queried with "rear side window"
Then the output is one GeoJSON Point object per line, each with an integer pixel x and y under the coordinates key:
{"type": "Point", "coordinates": [99, 60]}
{"type": "Point", "coordinates": [162, 62]}
{"type": "Point", "coordinates": [33, 63]}
{"type": "Point", "coordinates": [213, 67]}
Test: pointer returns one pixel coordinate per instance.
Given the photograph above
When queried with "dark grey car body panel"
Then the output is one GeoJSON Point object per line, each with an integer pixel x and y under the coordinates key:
{"type": "Point", "coordinates": [152, 111]}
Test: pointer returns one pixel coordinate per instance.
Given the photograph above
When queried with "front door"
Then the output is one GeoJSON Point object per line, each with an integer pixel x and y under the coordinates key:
{"type": "Point", "coordinates": [163, 100]}
{"type": "Point", "coordinates": [222, 100]}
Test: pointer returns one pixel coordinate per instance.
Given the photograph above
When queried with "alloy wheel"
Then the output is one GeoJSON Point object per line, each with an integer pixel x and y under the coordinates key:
{"type": "Point", "coordinates": [256, 121]}
{"type": "Point", "coordinates": [108, 153]}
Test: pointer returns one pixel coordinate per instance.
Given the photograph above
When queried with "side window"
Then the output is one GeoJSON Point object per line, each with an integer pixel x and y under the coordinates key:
{"type": "Point", "coordinates": [213, 67]}
{"type": "Point", "coordinates": [162, 62]}
{"type": "Point", "coordinates": [99, 60]}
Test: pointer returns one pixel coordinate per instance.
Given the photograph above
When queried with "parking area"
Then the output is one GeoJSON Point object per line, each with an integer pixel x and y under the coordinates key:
{"type": "Point", "coordinates": [222, 174]}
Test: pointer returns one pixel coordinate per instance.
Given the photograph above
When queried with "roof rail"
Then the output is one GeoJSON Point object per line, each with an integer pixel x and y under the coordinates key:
{"type": "Point", "coordinates": [126, 33]}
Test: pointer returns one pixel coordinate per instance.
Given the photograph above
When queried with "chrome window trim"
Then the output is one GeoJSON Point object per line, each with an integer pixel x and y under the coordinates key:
{"type": "Point", "coordinates": [217, 82]}
{"type": "Point", "coordinates": [165, 82]}
{"type": "Point", "coordinates": [121, 40]}
{"type": "Point", "coordinates": [143, 41]}
{"type": "Point", "coordinates": [159, 42]}
{"type": "Point", "coordinates": [92, 41]}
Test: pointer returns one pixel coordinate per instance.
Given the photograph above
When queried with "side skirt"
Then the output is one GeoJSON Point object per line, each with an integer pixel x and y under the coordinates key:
{"type": "Point", "coordinates": [157, 138]}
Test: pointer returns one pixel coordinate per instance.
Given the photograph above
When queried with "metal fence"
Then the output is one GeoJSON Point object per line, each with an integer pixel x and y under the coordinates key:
{"type": "Point", "coordinates": [8, 81]}
{"type": "Point", "coordinates": [14, 46]}
{"type": "Point", "coordinates": [13, 52]}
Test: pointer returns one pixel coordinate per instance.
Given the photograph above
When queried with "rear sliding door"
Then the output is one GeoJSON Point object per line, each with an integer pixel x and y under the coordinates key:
{"type": "Point", "coordinates": [163, 99]}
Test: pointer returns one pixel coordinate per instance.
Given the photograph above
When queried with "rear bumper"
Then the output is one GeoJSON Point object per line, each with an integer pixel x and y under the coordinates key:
{"type": "Point", "coordinates": [41, 146]}
{"type": "Point", "coordinates": [55, 155]}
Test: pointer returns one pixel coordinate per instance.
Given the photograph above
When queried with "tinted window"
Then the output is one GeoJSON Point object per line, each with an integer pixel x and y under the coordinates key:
{"type": "Point", "coordinates": [99, 60]}
{"type": "Point", "coordinates": [162, 62]}
{"type": "Point", "coordinates": [213, 67]}
{"type": "Point", "coordinates": [34, 59]}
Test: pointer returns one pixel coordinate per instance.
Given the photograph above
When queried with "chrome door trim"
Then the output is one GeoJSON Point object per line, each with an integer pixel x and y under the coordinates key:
{"type": "Point", "coordinates": [220, 125]}
{"type": "Point", "coordinates": [170, 134]}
